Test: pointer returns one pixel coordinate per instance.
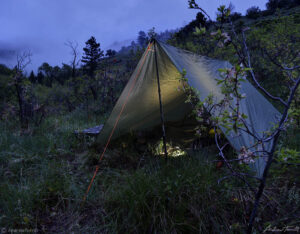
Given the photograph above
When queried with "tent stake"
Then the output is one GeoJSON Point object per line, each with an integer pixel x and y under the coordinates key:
{"type": "Point", "coordinates": [160, 104]}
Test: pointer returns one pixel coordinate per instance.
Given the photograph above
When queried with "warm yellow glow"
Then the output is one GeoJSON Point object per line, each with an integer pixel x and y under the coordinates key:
{"type": "Point", "coordinates": [211, 132]}
{"type": "Point", "coordinates": [176, 152]}
{"type": "Point", "coordinates": [173, 151]}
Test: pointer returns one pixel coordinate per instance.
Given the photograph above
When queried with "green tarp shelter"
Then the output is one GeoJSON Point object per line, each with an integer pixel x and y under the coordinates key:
{"type": "Point", "coordinates": [138, 106]}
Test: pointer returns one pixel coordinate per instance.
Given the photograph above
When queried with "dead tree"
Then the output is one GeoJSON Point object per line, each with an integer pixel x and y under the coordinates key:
{"type": "Point", "coordinates": [23, 60]}
{"type": "Point", "coordinates": [75, 54]}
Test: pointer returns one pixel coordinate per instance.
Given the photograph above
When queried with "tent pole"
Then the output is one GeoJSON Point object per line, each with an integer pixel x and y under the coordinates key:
{"type": "Point", "coordinates": [160, 104]}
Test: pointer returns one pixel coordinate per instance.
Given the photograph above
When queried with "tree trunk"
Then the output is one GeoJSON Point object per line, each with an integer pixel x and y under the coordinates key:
{"type": "Point", "coordinates": [94, 93]}
{"type": "Point", "coordinates": [21, 102]}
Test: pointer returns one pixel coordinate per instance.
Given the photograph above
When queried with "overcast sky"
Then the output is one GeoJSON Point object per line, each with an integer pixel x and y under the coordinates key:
{"type": "Point", "coordinates": [43, 26]}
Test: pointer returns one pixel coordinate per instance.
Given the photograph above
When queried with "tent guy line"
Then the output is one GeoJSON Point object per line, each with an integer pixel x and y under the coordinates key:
{"type": "Point", "coordinates": [142, 112]}
{"type": "Point", "coordinates": [116, 123]}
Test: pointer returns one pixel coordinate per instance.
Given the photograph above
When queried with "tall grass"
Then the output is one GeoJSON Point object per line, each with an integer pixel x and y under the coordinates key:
{"type": "Point", "coordinates": [44, 175]}
{"type": "Point", "coordinates": [36, 169]}
{"type": "Point", "coordinates": [182, 196]}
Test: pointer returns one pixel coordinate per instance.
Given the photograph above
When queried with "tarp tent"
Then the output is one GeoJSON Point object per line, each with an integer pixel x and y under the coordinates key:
{"type": "Point", "coordinates": [138, 106]}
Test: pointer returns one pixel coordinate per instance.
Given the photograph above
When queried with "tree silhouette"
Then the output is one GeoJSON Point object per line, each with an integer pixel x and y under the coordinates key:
{"type": "Point", "coordinates": [110, 53]}
{"type": "Point", "coordinates": [142, 38]}
{"type": "Point", "coordinates": [32, 77]}
{"type": "Point", "coordinates": [47, 71]}
{"type": "Point", "coordinates": [151, 33]}
{"type": "Point", "coordinates": [40, 77]}
{"type": "Point", "coordinates": [253, 12]}
{"type": "Point", "coordinates": [75, 53]}
{"type": "Point", "coordinates": [92, 55]}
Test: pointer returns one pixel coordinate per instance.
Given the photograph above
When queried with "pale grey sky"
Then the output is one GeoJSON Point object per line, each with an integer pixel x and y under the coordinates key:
{"type": "Point", "coordinates": [43, 26]}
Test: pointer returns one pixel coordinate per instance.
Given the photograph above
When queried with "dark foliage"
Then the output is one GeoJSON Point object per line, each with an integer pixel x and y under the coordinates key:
{"type": "Point", "coordinates": [40, 77]}
{"type": "Point", "coordinates": [47, 74]}
{"type": "Point", "coordinates": [135, 193]}
{"type": "Point", "coordinates": [182, 36]}
{"type": "Point", "coordinates": [92, 55]}
{"type": "Point", "coordinates": [4, 70]}
{"type": "Point", "coordinates": [272, 5]}
{"type": "Point", "coordinates": [32, 77]}
{"type": "Point", "coordinates": [253, 12]}
{"type": "Point", "coordinates": [142, 39]}
{"type": "Point", "coordinates": [235, 16]}
{"type": "Point", "coordinates": [110, 53]}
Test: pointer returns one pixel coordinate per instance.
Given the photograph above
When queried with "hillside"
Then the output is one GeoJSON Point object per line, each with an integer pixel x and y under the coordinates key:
{"type": "Point", "coordinates": [45, 168]}
{"type": "Point", "coordinates": [267, 30]}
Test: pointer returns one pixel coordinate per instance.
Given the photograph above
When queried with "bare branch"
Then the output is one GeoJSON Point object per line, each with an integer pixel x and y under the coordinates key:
{"type": "Point", "coordinates": [253, 75]}
{"type": "Point", "coordinates": [194, 5]}
{"type": "Point", "coordinates": [271, 156]}
{"type": "Point", "coordinates": [283, 67]}
{"type": "Point", "coordinates": [73, 45]}
{"type": "Point", "coordinates": [285, 114]}
{"type": "Point", "coordinates": [291, 68]}
{"type": "Point", "coordinates": [241, 159]}
{"type": "Point", "coordinates": [23, 60]}
{"type": "Point", "coordinates": [234, 173]}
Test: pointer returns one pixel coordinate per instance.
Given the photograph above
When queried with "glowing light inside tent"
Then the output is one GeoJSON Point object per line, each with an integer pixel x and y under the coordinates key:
{"type": "Point", "coordinates": [173, 151]}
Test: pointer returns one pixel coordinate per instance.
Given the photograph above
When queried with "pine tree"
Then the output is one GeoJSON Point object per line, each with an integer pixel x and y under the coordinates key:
{"type": "Point", "coordinates": [92, 55]}
{"type": "Point", "coordinates": [142, 38]}
{"type": "Point", "coordinates": [40, 77]}
{"type": "Point", "coordinates": [151, 34]}
{"type": "Point", "coordinates": [32, 77]}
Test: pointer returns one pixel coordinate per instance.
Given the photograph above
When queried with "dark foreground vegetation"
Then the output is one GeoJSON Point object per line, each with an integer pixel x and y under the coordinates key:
{"type": "Point", "coordinates": [46, 175]}
{"type": "Point", "coordinates": [45, 168]}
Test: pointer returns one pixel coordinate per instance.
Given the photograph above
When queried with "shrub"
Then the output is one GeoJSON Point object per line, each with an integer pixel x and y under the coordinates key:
{"type": "Point", "coordinates": [253, 12]}
{"type": "Point", "coordinates": [235, 16]}
{"type": "Point", "coordinates": [4, 70]}
{"type": "Point", "coordinates": [272, 5]}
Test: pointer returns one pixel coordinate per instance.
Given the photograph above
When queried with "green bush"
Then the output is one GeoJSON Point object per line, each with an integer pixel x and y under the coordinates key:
{"type": "Point", "coordinates": [235, 16]}
{"type": "Point", "coordinates": [253, 12]}
{"type": "Point", "coordinates": [272, 5]}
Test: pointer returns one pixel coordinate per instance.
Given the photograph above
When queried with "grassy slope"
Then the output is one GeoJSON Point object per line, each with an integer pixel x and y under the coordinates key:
{"type": "Point", "coordinates": [43, 178]}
